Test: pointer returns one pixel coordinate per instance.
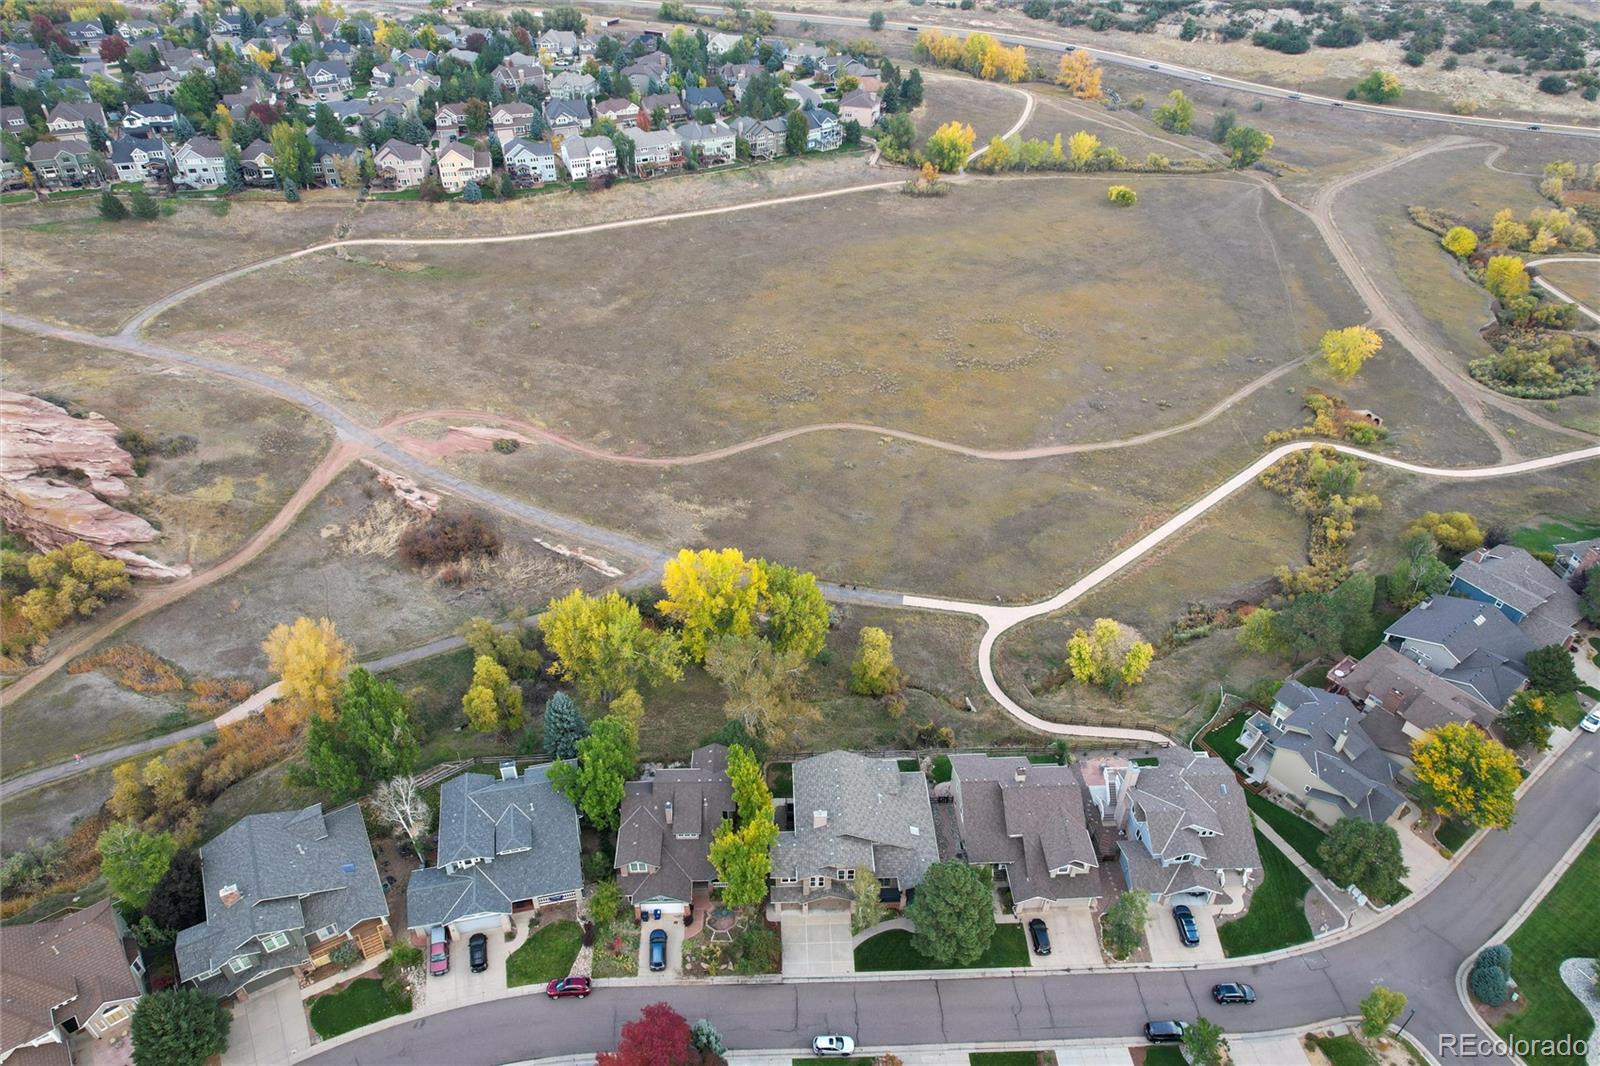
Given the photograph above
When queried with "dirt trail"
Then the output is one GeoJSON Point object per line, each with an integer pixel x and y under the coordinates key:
{"type": "Point", "coordinates": [157, 597]}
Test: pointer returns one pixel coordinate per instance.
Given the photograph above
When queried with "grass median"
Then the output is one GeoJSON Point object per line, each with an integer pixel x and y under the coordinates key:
{"type": "Point", "coordinates": [1277, 915]}
{"type": "Point", "coordinates": [892, 950]}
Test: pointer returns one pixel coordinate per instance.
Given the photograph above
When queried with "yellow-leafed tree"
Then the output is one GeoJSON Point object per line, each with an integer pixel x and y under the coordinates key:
{"type": "Point", "coordinates": [1347, 350]}
{"type": "Point", "coordinates": [1462, 773]}
{"type": "Point", "coordinates": [1079, 74]}
{"type": "Point", "coordinates": [310, 661]}
{"type": "Point", "coordinates": [950, 145]}
{"type": "Point", "coordinates": [712, 593]}
{"type": "Point", "coordinates": [1505, 277]}
{"type": "Point", "coordinates": [1081, 147]}
{"type": "Point", "coordinates": [1459, 241]}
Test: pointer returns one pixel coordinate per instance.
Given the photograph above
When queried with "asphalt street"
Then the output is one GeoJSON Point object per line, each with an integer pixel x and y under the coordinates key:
{"type": "Point", "coordinates": [1417, 952]}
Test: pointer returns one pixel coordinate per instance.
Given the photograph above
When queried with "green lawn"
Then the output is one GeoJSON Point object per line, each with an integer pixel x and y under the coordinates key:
{"type": "Point", "coordinates": [1300, 833]}
{"type": "Point", "coordinates": [1454, 833]}
{"type": "Point", "coordinates": [1566, 710]}
{"type": "Point", "coordinates": [359, 1003]}
{"type": "Point", "coordinates": [1003, 1058]}
{"type": "Point", "coordinates": [893, 951]}
{"type": "Point", "coordinates": [1164, 1055]}
{"type": "Point", "coordinates": [1561, 927]}
{"type": "Point", "coordinates": [1277, 915]}
{"type": "Point", "coordinates": [547, 955]}
{"type": "Point", "coordinates": [1345, 1051]}
{"type": "Point", "coordinates": [1224, 740]}
{"type": "Point", "coordinates": [1545, 537]}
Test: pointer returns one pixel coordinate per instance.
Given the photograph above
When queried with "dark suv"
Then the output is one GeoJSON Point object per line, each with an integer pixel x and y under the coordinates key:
{"type": "Point", "coordinates": [1233, 992]}
{"type": "Point", "coordinates": [478, 952]}
{"type": "Point", "coordinates": [1163, 1032]}
{"type": "Point", "coordinates": [1188, 931]}
{"type": "Point", "coordinates": [1040, 935]}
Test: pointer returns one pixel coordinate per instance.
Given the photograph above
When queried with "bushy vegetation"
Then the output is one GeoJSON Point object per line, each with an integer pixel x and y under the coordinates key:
{"type": "Point", "coordinates": [447, 538]}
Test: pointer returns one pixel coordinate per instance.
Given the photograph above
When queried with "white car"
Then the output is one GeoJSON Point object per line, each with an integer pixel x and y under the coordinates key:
{"type": "Point", "coordinates": [832, 1044]}
{"type": "Point", "coordinates": [1591, 722]}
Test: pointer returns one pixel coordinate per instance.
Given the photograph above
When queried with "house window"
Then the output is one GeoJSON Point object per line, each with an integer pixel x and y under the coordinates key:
{"type": "Point", "coordinates": [819, 881]}
{"type": "Point", "coordinates": [326, 931]}
{"type": "Point", "coordinates": [791, 880]}
{"type": "Point", "coordinates": [638, 867]}
{"type": "Point", "coordinates": [240, 964]}
{"type": "Point", "coordinates": [847, 875]}
{"type": "Point", "coordinates": [275, 942]}
{"type": "Point", "coordinates": [114, 1016]}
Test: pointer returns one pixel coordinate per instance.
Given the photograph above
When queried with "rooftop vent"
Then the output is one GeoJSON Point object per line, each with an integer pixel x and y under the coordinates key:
{"type": "Point", "coordinates": [1020, 774]}
{"type": "Point", "coordinates": [349, 867]}
{"type": "Point", "coordinates": [229, 895]}
{"type": "Point", "coordinates": [819, 819]}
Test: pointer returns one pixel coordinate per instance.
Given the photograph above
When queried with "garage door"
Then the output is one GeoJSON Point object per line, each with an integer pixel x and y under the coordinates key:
{"type": "Point", "coordinates": [483, 924]}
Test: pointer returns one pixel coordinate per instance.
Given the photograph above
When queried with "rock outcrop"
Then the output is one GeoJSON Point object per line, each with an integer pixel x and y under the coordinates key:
{"type": "Point", "coordinates": [41, 447]}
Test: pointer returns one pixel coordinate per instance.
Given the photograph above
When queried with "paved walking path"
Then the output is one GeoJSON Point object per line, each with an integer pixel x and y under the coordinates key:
{"type": "Point", "coordinates": [1558, 293]}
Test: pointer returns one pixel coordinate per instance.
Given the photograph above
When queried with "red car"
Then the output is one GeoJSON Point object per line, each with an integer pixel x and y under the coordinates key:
{"type": "Point", "coordinates": [568, 986]}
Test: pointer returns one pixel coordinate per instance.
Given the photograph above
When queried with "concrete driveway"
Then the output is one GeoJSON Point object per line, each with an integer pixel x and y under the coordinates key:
{"type": "Point", "coordinates": [1424, 864]}
{"type": "Point", "coordinates": [461, 986]}
{"type": "Point", "coordinates": [1162, 934]}
{"type": "Point", "coordinates": [817, 944]}
{"type": "Point", "coordinates": [673, 924]}
{"type": "Point", "coordinates": [1073, 941]}
{"type": "Point", "coordinates": [269, 1028]}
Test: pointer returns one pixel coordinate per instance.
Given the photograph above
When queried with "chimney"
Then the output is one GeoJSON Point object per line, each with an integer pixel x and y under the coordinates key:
{"type": "Point", "coordinates": [819, 819]}
{"type": "Point", "coordinates": [1020, 774]}
{"type": "Point", "coordinates": [1344, 735]}
{"type": "Point", "coordinates": [508, 770]}
{"type": "Point", "coordinates": [669, 812]}
{"type": "Point", "coordinates": [229, 894]}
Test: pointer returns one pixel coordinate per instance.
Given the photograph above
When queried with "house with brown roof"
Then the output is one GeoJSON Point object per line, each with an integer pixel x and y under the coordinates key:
{"type": "Point", "coordinates": [81, 973]}
{"type": "Point", "coordinates": [664, 839]}
{"type": "Point", "coordinates": [1401, 700]}
{"type": "Point", "coordinates": [1027, 821]}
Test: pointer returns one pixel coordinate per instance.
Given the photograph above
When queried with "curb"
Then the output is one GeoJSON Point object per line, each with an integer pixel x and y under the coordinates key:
{"type": "Point", "coordinates": [1511, 926]}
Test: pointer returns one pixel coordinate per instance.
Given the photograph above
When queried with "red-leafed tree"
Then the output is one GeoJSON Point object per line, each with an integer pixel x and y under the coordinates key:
{"type": "Point", "coordinates": [112, 48]}
{"type": "Point", "coordinates": [265, 114]}
{"type": "Point", "coordinates": [660, 1037]}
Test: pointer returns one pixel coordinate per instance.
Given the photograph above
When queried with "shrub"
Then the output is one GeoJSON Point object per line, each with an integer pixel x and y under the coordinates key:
{"type": "Point", "coordinates": [605, 903]}
{"type": "Point", "coordinates": [1489, 985]}
{"type": "Point", "coordinates": [506, 445]}
{"type": "Point", "coordinates": [345, 955]}
{"type": "Point", "coordinates": [756, 950]}
{"type": "Point", "coordinates": [1121, 195]}
{"type": "Point", "coordinates": [447, 538]}
{"type": "Point", "coordinates": [1554, 84]}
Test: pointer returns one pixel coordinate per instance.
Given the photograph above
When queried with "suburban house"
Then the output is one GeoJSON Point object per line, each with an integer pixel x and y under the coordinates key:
{"type": "Point", "coordinates": [530, 162]}
{"type": "Point", "coordinates": [716, 142]}
{"type": "Point", "coordinates": [199, 164]}
{"type": "Point", "coordinates": [448, 122]}
{"type": "Point", "coordinates": [78, 974]}
{"type": "Point", "coordinates": [586, 157]}
{"type": "Point", "coordinates": [765, 137]}
{"type": "Point", "coordinates": [824, 132]}
{"type": "Point", "coordinates": [139, 158]}
{"type": "Point", "coordinates": [72, 120]}
{"type": "Point", "coordinates": [622, 111]}
{"type": "Point", "coordinates": [325, 164]}
{"type": "Point", "coordinates": [402, 165]}
{"type": "Point", "coordinates": [512, 120]}
{"type": "Point", "coordinates": [1313, 749]}
{"type": "Point", "coordinates": [61, 162]}
{"type": "Point", "coordinates": [565, 117]}
{"type": "Point", "coordinates": [1468, 643]}
{"type": "Point", "coordinates": [1577, 557]}
{"type": "Point", "coordinates": [722, 43]}
{"type": "Point", "coordinates": [507, 844]}
{"type": "Point", "coordinates": [852, 814]}
{"type": "Point", "coordinates": [572, 85]}
{"type": "Point", "coordinates": [1528, 592]}
{"type": "Point", "coordinates": [12, 119]}
{"type": "Point", "coordinates": [1027, 821]}
{"type": "Point", "coordinates": [862, 106]}
{"type": "Point", "coordinates": [1402, 701]}
{"type": "Point", "coordinates": [518, 70]}
{"type": "Point", "coordinates": [558, 44]}
{"type": "Point", "coordinates": [665, 834]}
{"type": "Point", "coordinates": [256, 164]}
{"type": "Point", "coordinates": [154, 118]}
{"type": "Point", "coordinates": [460, 163]}
{"type": "Point", "coordinates": [709, 98]}
{"type": "Point", "coordinates": [156, 82]}
{"type": "Point", "coordinates": [802, 54]}
{"type": "Point", "coordinates": [656, 151]}
{"type": "Point", "coordinates": [328, 79]}
{"type": "Point", "coordinates": [283, 890]}
{"type": "Point", "coordinates": [669, 103]}
{"type": "Point", "coordinates": [1183, 824]}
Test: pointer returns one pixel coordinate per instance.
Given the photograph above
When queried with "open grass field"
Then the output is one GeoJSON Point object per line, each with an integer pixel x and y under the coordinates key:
{"type": "Point", "coordinates": [48, 813]}
{"type": "Point", "coordinates": [1057, 111]}
{"type": "Point", "coordinates": [61, 263]}
{"type": "Point", "coordinates": [990, 109]}
{"type": "Point", "coordinates": [1544, 536]}
{"type": "Point", "coordinates": [378, 605]}
{"type": "Point", "coordinates": [1561, 927]}
{"type": "Point", "coordinates": [956, 317]}
{"type": "Point", "coordinates": [1277, 914]}
{"type": "Point", "coordinates": [1577, 280]}
{"type": "Point", "coordinates": [253, 450]}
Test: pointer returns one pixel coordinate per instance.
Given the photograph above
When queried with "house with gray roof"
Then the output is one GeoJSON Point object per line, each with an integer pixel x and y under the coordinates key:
{"type": "Point", "coordinates": [1027, 821]}
{"type": "Point", "coordinates": [565, 117]}
{"type": "Point", "coordinates": [1576, 557]}
{"type": "Point", "coordinates": [852, 814]}
{"type": "Point", "coordinates": [572, 85]}
{"type": "Point", "coordinates": [765, 138]}
{"type": "Point", "coordinates": [530, 162]}
{"type": "Point", "coordinates": [283, 890]}
{"type": "Point", "coordinates": [1468, 643]}
{"type": "Point", "coordinates": [507, 844]}
{"type": "Point", "coordinates": [1185, 831]}
{"type": "Point", "coordinates": [1525, 590]}
{"type": "Point", "coordinates": [139, 158]}
{"type": "Point", "coordinates": [715, 142]}
{"type": "Point", "coordinates": [59, 163]}
{"type": "Point", "coordinates": [664, 840]}
{"type": "Point", "coordinates": [1400, 701]}
{"type": "Point", "coordinates": [1312, 749]}
{"type": "Point", "coordinates": [152, 117]}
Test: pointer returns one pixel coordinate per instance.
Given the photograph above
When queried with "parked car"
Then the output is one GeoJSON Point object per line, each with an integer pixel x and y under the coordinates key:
{"type": "Point", "coordinates": [1188, 931]}
{"type": "Point", "coordinates": [478, 952]}
{"type": "Point", "coordinates": [658, 950]}
{"type": "Point", "coordinates": [1163, 1032]}
{"type": "Point", "coordinates": [438, 951]}
{"type": "Point", "coordinates": [1040, 936]}
{"type": "Point", "coordinates": [1233, 992]}
{"type": "Point", "coordinates": [833, 1044]}
{"type": "Point", "coordinates": [568, 987]}
{"type": "Point", "coordinates": [1591, 722]}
